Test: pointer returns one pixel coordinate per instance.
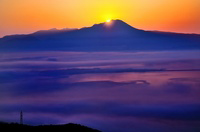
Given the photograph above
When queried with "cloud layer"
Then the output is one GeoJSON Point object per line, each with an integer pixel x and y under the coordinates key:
{"type": "Point", "coordinates": [110, 91]}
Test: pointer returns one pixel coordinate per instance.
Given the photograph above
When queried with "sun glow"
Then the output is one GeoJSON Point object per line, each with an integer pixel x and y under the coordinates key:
{"type": "Point", "coordinates": [32, 15]}
{"type": "Point", "coordinates": [108, 20]}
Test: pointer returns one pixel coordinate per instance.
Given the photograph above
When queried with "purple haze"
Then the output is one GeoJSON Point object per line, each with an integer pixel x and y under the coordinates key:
{"type": "Point", "coordinates": [109, 91]}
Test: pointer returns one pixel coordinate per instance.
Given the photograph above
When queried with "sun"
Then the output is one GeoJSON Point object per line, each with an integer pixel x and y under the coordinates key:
{"type": "Point", "coordinates": [108, 20]}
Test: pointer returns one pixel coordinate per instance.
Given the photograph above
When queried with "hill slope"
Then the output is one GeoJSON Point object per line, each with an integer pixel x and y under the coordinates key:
{"type": "Point", "coordinates": [58, 128]}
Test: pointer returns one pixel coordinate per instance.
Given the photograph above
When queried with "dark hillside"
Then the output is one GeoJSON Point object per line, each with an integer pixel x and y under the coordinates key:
{"type": "Point", "coordinates": [58, 128]}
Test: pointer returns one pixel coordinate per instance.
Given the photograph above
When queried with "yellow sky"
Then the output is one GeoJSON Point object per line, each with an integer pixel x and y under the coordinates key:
{"type": "Point", "coordinates": [26, 16]}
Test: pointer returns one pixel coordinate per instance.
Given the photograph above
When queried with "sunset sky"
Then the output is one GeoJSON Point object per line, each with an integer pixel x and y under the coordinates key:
{"type": "Point", "coordinates": [110, 77]}
{"type": "Point", "coordinates": [26, 16]}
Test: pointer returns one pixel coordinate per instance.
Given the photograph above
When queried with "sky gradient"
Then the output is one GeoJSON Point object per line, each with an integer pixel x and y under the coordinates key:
{"type": "Point", "coordinates": [110, 77]}
{"type": "Point", "coordinates": [20, 16]}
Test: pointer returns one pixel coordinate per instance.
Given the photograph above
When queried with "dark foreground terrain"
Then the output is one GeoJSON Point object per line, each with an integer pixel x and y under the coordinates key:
{"type": "Point", "coordinates": [59, 128]}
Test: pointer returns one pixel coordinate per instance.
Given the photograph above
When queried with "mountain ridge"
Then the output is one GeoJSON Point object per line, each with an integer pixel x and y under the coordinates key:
{"type": "Point", "coordinates": [94, 25]}
{"type": "Point", "coordinates": [113, 36]}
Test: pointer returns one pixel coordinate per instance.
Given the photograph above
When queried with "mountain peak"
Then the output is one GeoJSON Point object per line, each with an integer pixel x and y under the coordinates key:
{"type": "Point", "coordinates": [116, 26]}
{"type": "Point", "coordinates": [113, 23]}
{"type": "Point", "coordinates": [119, 23]}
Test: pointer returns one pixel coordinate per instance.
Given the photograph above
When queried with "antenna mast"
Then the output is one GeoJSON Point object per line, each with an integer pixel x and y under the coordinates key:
{"type": "Point", "coordinates": [21, 118]}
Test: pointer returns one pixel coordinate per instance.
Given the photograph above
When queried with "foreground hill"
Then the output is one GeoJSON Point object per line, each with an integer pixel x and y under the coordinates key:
{"type": "Point", "coordinates": [114, 36]}
{"type": "Point", "coordinates": [57, 128]}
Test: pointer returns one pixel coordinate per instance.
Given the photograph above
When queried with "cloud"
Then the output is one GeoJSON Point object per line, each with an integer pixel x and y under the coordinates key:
{"type": "Point", "coordinates": [177, 88]}
{"type": "Point", "coordinates": [23, 59]}
{"type": "Point", "coordinates": [186, 80]}
{"type": "Point", "coordinates": [41, 86]}
{"type": "Point", "coordinates": [118, 60]}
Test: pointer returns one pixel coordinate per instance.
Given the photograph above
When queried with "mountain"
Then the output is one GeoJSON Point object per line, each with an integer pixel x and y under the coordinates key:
{"type": "Point", "coordinates": [58, 128]}
{"type": "Point", "coordinates": [114, 36]}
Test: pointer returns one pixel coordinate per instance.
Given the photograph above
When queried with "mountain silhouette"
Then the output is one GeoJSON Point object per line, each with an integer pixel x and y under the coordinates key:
{"type": "Point", "coordinates": [58, 128]}
{"type": "Point", "coordinates": [114, 36]}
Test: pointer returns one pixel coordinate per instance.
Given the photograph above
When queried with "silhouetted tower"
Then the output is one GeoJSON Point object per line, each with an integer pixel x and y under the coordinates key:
{"type": "Point", "coordinates": [21, 117]}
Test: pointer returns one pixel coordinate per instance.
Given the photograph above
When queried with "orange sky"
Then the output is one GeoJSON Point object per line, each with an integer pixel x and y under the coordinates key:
{"type": "Point", "coordinates": [26, 16]}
